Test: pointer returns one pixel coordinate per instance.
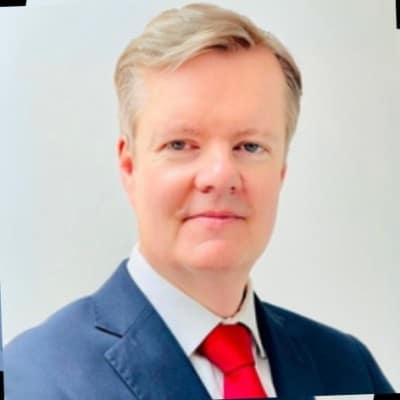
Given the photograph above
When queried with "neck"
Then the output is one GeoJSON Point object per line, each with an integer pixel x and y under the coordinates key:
{"type": "Point", "coordinates": [220, 293]}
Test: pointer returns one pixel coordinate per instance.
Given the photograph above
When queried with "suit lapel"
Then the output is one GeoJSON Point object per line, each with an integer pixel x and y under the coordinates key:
{"type": "Point", "coordinates": [293, 370]}
{"type": "Point", "coordinates": [146, 357]}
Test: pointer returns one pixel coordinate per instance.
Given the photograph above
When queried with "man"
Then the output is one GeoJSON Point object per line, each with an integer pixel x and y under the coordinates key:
{"type": "Point", "coordinates": [208, 105]}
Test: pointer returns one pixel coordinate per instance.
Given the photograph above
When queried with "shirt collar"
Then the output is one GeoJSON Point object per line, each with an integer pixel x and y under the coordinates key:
{"type": "Point", "coordinates": [187, 319]}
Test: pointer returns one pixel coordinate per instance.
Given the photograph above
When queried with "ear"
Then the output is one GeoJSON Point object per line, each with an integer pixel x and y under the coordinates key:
{"type": "Point", "coordinates": [125, 159]}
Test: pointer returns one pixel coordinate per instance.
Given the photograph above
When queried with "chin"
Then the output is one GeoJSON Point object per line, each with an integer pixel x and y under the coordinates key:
{"type": "Point", "coordinates": [216, 255]}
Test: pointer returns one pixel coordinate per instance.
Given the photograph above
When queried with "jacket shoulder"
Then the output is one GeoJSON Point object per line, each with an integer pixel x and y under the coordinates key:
{"type": "Point", "coordinates": [60, 326]}
{"type": "Point", "coordinates": [331, 349]}
{"type": "Point", "coordinates": [40, 360]}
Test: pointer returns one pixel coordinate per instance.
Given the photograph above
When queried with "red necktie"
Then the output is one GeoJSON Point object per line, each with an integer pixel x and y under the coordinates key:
{"type": "Point", "coordinates": [228, 347]}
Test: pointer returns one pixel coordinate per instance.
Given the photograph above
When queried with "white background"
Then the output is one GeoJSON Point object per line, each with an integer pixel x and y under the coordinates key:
{"type": "Point", "coordinates": [65, 222]}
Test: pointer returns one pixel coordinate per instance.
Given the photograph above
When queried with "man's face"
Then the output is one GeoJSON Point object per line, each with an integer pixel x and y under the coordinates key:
{"type": "Point", "coordinates": [208, 162]}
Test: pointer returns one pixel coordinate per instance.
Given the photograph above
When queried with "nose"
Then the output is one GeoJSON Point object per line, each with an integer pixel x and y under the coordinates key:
{"type": "Point", "coordinates": [219, 172]}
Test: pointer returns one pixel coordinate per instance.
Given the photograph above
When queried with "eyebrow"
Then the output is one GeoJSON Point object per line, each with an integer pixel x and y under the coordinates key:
{"type": "Point", "coordinates": [246, 132]}
{"type": "Point", "coordinates": [265, 134]}
{"type": "Point", "coordinates": [158, 133]}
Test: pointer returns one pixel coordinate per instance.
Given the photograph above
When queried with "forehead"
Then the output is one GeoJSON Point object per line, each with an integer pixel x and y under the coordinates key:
{"type": "Point", "coordinates": [238, 91]}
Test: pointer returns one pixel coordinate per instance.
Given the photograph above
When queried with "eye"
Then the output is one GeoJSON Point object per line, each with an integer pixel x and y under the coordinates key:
{"type": "Point", "coordinates": [177, 145]}
{"type": "Point", "coordinates": [251, 147]}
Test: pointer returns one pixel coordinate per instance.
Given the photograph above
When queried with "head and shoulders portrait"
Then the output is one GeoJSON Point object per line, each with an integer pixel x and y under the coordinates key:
{"type": "Point", "coordinates": [212, 296]}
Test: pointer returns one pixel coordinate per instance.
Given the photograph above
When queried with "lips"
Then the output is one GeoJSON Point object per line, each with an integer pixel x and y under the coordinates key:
{"type": "Point", "coordinates": [215, 215]}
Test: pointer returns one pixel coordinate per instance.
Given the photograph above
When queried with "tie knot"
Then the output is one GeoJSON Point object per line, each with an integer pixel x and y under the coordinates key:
{"type": "Point", "coordinates": [228, 347]}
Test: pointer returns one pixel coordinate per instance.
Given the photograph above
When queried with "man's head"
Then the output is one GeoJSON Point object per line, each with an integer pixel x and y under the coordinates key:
{"type": "Point", "coordinates": [178, 35]}
{"type": "Point", "coordinates": [211, 130]}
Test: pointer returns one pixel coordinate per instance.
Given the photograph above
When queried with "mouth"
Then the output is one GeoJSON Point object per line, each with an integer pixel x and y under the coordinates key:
{"type": "Point", "coordinates": [215, 215]}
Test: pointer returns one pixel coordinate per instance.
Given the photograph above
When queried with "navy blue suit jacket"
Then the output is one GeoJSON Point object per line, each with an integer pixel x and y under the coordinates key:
{"type": "Point", "coordinates": [114, 345]}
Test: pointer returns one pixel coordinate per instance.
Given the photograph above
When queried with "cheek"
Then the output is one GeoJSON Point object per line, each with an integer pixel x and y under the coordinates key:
{"type": "Point", "coordinates": [162, 192]}
{"type": "Point", "coordinates": [266, 198]}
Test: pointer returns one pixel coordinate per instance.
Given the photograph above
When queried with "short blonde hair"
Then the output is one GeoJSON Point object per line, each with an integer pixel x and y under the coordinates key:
{"type": "Point", "coordinates": [178, 35]}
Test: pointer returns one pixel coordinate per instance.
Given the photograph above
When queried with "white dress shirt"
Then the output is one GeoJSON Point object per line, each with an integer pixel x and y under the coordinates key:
{"type": "Point", "coordinates": [190, 323]}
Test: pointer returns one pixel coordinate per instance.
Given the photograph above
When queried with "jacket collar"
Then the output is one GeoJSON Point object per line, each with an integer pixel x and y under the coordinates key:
{"type": "Point", "coordinates": [293, 370]}
{"type": "Point", "coordinates": [146, 356]}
